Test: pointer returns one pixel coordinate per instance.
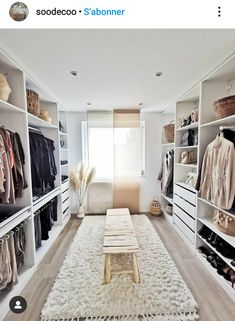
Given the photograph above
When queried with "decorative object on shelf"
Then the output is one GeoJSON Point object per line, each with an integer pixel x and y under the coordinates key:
{"type": "Point", "coordinates": [188, 138]}
{"type": "Point", "coordinates": [224, 107]}
{"type": "Point", "coordinates": [169, 132]}
{"type": "Point", "coordinates": [61, 142]}
{"type": "Point", "coordinates": [44, 115]}
{"type": "Point", "coordinates": [169, 209]}
{"type": "Point", "coordinates": [187, 157]}
{"type": "Point", "coordinates": [191, 179]}
{"type": "Point", "coordinates": [194, 115]}
{"type": "Point", "coordinates": [33, 103]}
{"type": "Point", "coordinates": [155, 208]}
{"type": "Point", "coordinates": [5, 90]}
{"type": "Point", "coordinates": [80, 178]}
{"type": "Point", "coordinates": [225, 223]}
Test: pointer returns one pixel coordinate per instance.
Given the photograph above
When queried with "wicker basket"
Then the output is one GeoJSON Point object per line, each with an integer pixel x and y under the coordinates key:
{"type": "Point", "coordinates": [224, 107]}
{"type": "Point", "coordinates": [225, 223]}
{"type": "Point", "coordinates": [169, 133]}
{"type": "Point", "coordinates": [155, 208]}
{"type": "Point", "coordinates": [33, 102]}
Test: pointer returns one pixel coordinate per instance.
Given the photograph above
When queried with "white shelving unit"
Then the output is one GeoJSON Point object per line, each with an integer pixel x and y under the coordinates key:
{"type": "Point", "coordinates": [191, 212]}
{"type": "Point", "coordinates": [14, 116]}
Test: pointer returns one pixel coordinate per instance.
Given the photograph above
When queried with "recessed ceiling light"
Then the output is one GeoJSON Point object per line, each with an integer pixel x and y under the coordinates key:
{"type": "Point", "coordinates": [88, 104]}
{"type": "Point", "coordinates": [158, 74]}
{"type": "Point", "coordinates": [74, 72]}
{"type": "Point", "coordinates": [141, 104]}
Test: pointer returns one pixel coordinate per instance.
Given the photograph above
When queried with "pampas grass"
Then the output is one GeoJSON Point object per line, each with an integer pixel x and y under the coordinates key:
{"type": "Point", "coordinates": [80, 178]}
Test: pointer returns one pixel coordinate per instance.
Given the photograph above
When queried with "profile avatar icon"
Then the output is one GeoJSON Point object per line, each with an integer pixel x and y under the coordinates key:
{"type": "Point", "coordinates": [18, 11]}
{"type": "Point", "coordinates": [18, 306]}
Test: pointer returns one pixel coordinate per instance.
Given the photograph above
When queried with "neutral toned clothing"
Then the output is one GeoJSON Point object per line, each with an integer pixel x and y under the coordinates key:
{"type": "Point", "coordinates": [218, 173]}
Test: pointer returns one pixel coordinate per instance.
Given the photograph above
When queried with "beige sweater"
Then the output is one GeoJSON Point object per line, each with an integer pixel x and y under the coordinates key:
{"type": "Point", "coordinates": [218, 173]}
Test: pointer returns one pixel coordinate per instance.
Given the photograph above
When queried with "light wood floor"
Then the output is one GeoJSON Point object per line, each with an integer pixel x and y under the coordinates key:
{"type": "Point", "coordinates": [213, 302]}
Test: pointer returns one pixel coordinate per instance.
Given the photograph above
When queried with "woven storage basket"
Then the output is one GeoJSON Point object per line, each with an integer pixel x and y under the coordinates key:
{"type": "Point", "coordinates": [225, 223]}
{"type": "Point", "coordinates": [169, 133]}
{"type": "Point", "coordinates": [155, 208]}
{"type": "Point", "coordinates": [33, 104]}
{"type": "Point", "coordinates": [224, 107]}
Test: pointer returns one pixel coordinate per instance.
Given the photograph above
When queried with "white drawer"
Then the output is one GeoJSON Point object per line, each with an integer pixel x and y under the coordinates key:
{"type": "Point", "coordinates": [185, 193]}
{"type": "Point", "coordinates": [64, 186]}
{"type": "Point", "coordinates": [184, 229]}
{"type": "Point", "coordinates": [188, 220]}
{"type": "Point", "coordinates": [67, 212]}
{"type": "Point", "coordinates": [65, 195]}
{"type": "Point", "coordinates": [65, 205]}
{"type": "Point", "coordinates": [187, 207]}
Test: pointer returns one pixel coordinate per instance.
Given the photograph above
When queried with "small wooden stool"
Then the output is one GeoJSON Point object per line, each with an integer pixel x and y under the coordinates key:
{"type": "Point", "coordinates": [120, 238]}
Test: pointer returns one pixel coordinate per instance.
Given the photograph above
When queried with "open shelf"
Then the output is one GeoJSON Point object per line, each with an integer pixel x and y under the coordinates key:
{"type": "Point", "coordinates": [229, 212]}
{"type": "Point", "coordinates": [187, 147]}
{"type": "Point", "coordinates": [226, 260]}
{"type": "Point", "coordinates": [168, 144]}
{"type": "Point", "coordinates": [226, 285]}
{"type": "Point", "coordinates": [7, 107]}
{"type": "Point", "coordinates": [45, 198]}
{"type": "Point", "coordinates": [210, 224]}
{"type": "Point", "coordinates": [37, 122]}
{"type": "Point", "coordinates": [168, 199]}
{"type": "Point", "coordinates": [223, 121]}
{"type": "Point", "coordinates": [191, 126]}
{"type": "Point", "coordinates": [62, 133]}
{"type": "Point", "coordinates": [187, 165]}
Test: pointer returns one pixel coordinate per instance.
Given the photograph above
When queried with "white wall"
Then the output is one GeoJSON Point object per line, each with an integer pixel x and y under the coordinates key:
{"type": "Point", "coordinates": [149, 185]}
{"type": "Point", "coordinates": [74, 120]}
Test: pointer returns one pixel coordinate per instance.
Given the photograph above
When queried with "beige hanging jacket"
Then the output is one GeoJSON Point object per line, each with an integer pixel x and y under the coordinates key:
{"type": "Point", "coordinates": [218, 173]}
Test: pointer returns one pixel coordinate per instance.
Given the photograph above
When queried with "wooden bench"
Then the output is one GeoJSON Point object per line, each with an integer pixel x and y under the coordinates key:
{"type": "Point", "coordinates": [120, 238]}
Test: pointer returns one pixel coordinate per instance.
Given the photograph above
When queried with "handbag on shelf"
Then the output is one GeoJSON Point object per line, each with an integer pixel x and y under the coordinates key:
{"type": "Point", "coordinates": [33, 103]}
{"type": "Point", "coordinates": [191, 179]}
{"type": "Point", "coordinates": [5, 90]}
{"type": "Point", "coordinates": [225, 223]}
{"type": "Point", "coordinates": [187, 157]}
{"type": "Point", "coordinates": [188, 138]}
{"type": "Point", "coordinates": [169, 132]}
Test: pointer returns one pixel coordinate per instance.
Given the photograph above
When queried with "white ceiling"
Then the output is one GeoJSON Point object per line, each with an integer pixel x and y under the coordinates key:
{"type": "Point", "coordinates": [116, 67]}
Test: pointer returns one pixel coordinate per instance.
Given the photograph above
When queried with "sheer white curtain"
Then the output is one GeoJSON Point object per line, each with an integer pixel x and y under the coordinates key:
{"type": "Point", "coordinates": [113, 144]}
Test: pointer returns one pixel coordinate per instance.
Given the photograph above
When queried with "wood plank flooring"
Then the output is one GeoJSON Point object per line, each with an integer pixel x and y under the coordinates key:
{"type": "Point", "coordinates": [213, 302]}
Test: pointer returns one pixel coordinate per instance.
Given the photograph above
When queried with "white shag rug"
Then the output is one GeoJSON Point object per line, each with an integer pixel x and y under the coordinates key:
{"type": "Point", "coordinates": [78, 291]}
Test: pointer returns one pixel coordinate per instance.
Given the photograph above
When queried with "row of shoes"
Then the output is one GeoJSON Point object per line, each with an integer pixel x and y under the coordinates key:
{"type": "Point", "coordinates": [218, 243]}
{"type": "Point", "coordinates": [217, 263]}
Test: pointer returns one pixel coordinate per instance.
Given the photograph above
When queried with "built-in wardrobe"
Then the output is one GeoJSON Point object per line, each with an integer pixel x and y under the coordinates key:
{"type": "Point", "coordinates": [196, 208]}
{"type": "Point", "coordinates": [34, 195]}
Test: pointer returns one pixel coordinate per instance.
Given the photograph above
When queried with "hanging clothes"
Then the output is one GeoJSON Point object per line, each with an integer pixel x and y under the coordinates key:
{"type": "Point", "coordinates": [43, 166]}
{"type": "Point", "coordinates": [217, 183]}
{"type": "Point", "coordinates": [166, 174]}
{"type": "Point", "coordinates": [12, 177]}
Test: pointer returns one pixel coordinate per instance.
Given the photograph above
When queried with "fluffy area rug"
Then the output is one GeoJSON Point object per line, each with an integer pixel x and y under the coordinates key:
{"type": "Point", "coordinates": [78, 291]}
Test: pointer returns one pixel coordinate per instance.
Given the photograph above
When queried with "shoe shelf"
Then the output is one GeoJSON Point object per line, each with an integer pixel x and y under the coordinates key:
{"type": "Point", "coordinates": [168, 199]}
{"type": "Point", "coordinates": [191, 126]}
{"type": "Point", "coordinates": [226, 285]}
{"type": "Point", "coordinates": [167, 216]}
{"type": "Point", "coordinates": [210, 224]}
{"type": "Point", "coordinates": [225, 259]}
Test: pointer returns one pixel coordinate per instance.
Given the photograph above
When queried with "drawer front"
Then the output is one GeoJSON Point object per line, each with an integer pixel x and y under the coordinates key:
{"type": "Point", "coordinates": [188, 220]}
{"type": "Point", "coordinates": [64, 186]}
{"type": "Point", "coordinates": [185, 194]}
{"type": "Point", "coordinates": [184, 229]}
{"type": "Point", "coordinates": [65, 195]}
{"type": "Point", "coordinates": [187, 207]}
{"type": "Point", "coordinates": [67, 212]}
{"type": "Point", "coordinates": [65, 205]}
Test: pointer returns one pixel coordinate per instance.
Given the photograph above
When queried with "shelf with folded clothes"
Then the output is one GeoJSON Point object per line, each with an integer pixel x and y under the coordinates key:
{"type": "Point", "coordinates": [225, 259]}
{"type": "Point", "coordinates": [13, 217]}
{"type": "Point", "coordinates": [226, 285]}
{"type": "Point", "coordinates": [208, 221]}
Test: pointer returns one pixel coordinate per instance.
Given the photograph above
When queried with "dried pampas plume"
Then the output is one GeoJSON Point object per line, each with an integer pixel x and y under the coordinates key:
{"type": "Point", "coordinates": [90, 176]}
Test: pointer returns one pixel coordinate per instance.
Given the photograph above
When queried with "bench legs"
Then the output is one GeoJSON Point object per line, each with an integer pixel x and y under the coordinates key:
{"type": "Point", "coordinates": [136, 275]}
{"type": "Point", "coordinates": [134, 271]}
{"type": "Point", "coordinates": [107, 268]}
